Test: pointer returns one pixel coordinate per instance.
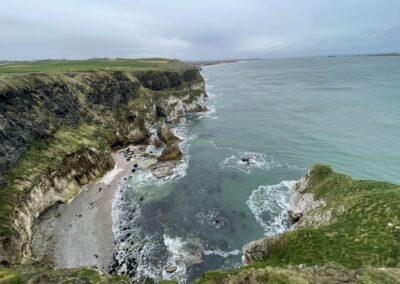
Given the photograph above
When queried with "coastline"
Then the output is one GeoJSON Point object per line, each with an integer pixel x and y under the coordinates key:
{"type": "Point", "coordinates": [80, 233]}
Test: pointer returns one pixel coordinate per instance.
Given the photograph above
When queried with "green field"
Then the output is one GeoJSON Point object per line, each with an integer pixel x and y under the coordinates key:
{"type": "Point", "coordinates": [118, 64]}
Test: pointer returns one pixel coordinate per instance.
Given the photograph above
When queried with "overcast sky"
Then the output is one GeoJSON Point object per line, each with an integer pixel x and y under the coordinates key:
{"type": "Point", "coordinates": [189, 29]}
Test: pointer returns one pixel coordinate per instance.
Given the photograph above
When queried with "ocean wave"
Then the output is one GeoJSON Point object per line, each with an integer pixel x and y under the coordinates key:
{"type": "Point", "coordinates": [246, 161]}
{"type": "Point", "coordinates": [269, 204]}
{"type": "Point", "coordinates": [222, 253]}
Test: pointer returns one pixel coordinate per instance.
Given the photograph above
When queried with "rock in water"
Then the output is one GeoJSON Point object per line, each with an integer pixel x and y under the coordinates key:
{"type": "Point", "coordinates": [171, 269]}
{"type": "Point", "coordinates": [171, 153]}
{"type": "Point", "coordinates": [165, 134]}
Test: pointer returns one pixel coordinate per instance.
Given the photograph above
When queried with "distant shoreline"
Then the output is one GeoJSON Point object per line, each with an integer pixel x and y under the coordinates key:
{"type": "Point", "coordinates": [202, 63]}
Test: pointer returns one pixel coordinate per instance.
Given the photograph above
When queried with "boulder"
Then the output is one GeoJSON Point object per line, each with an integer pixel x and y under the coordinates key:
{"type": "Point", "coordinates": [171, 269]}
{"type": "Point", "coordinates": [170, 153]}
{"type": "Point", "coordinates": [258, 250]}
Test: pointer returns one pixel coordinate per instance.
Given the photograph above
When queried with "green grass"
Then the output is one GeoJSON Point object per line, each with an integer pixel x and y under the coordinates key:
{"type": "Point", "coordinates": [42, 274]}
{"type": "Point", "coordinates": [8, 276]}
{"type": "Point", "coordinates": [43, 157]}
{"type": "Point", "coordinates": [330, 273]}
{"type": "Point", "coordinates": [118, 64]}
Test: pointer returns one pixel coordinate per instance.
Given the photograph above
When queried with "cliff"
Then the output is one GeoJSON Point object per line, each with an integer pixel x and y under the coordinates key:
{"type": "Point", "coordinates": [57, 130]}
{"type": "Point", "coordinates": [343, 230]}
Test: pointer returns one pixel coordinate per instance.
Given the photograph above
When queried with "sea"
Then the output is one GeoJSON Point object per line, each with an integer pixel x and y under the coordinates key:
{"type": "Point", "coordinates": [280, 116]}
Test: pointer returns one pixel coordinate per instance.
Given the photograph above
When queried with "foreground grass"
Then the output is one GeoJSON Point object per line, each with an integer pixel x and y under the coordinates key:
{"type": "Point", "coordinates": [330, 273]}
{"type": "Point", "coordinates": [38, 274]}
{"type": "Point", "coordinates": [118, 64]}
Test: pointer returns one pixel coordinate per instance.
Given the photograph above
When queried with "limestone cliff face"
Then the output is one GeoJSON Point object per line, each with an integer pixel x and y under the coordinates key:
{"type": "Point", "coordinates": [37, 111]}
{"type": "Point", "coordinates": [58, 186]}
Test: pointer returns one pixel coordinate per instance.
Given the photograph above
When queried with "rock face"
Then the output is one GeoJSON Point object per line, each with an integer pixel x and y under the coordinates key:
{"type": "Point", "coordinates": [165, 134]}
{"type": "Point", "coordinates": [302, 203]}
{"type": "Point", "coordinates": [35, 108]}
{"type": "Point", "coordinates": [258, 250]}
{"type": "Point", "coordinates": [171, 153]}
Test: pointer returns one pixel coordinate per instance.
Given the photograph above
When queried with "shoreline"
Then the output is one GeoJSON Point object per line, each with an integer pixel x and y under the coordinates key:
{"type": "Point", "coordinates": [79, 233]}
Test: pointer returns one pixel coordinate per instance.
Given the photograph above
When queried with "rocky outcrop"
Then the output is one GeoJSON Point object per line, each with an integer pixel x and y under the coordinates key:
{"type": "Point", "coordinates": [302, 203]}
{"type": "Point", "coordinates": [170, 153]}
{"type": "Point", "coordinates": [258, 250]}
{"type": "Point", "coordinates": [35, 108]}
{"type": "Point", "coordinates": [166, 135]}
{"type": "Point", "coordinates": [303, 211]}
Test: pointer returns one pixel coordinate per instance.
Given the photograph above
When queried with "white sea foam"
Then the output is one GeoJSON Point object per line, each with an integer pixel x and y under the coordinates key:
{"type": "Point", "coordinates": [256, 161]}
{"type": "Point", "coordinates": [222, 253]}
{"type": "Point", "coordinates": [269, 204]}
{"type": "Point", "coordinates": [210, 113]}
{"type": "Point", "coordinates": [109, 176]}
{"type": "Point", "coordinates": [126, 212]}
{"type": "Point", "coordinates": [176, 257]}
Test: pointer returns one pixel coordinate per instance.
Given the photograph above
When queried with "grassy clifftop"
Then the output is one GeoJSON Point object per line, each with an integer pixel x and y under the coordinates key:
{"type": "Point", "coordinates": [105, 64]}
{"type": "Point", "coordinates": [361, 230]}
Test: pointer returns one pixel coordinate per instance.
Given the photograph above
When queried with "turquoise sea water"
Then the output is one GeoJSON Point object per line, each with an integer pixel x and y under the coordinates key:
{"type": "Point", "coordinates": [283, 114]}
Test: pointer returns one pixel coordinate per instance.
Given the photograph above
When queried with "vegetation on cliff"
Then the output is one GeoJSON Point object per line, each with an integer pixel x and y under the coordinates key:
{"type": "Point", "coordinates": [39, 274]}
{"type": "Point", "coordinates": [105, 64]}
{"type": "Point", "coordinates": [360, 229]}
{"type": "Point", "coordinates": [57, 128]}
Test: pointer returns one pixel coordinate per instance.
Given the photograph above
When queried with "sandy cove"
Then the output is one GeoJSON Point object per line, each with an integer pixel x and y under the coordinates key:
{"type": "Point", "coordinates": [80, 233]}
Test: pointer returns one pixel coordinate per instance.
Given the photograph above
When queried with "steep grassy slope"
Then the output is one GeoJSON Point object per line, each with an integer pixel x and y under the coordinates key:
{"type": "Point", "coordinates": [356, 225]}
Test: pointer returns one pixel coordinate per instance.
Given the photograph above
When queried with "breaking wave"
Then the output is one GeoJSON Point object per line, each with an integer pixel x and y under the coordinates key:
{"type": "Point", "coordinates": [269, 204]}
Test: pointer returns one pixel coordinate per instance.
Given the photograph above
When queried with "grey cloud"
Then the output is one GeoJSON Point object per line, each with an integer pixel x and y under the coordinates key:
{"type": "Point", "coordinates": [207, 29]}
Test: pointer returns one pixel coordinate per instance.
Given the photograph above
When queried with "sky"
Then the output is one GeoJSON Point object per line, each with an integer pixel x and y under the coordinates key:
{"type": "Point", "coordinates": [196, 30]}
